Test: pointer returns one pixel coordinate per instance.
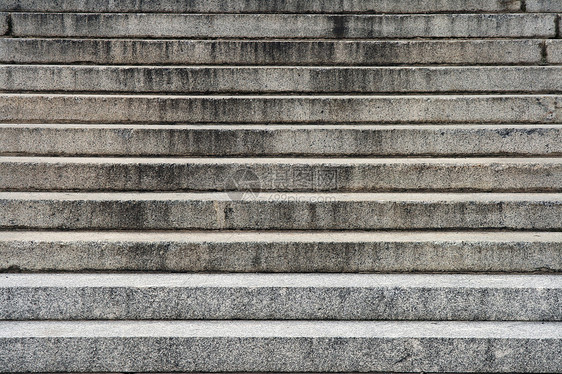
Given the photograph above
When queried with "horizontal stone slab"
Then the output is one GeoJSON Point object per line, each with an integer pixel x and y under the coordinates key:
{"type": "Point", "coordinates": [58, 108]}
{"type": "Point", "coordinates": [554, 51]}
{"type": "Point", "coordinates": [281, 140]}
{"type": "Point", "coordinates": [270, 52]}
{"type": "Point", "coordinates": [150, 25]}
{"type": "Point", "coordinates": [283, 211]}
{"type": "Point", "coordinates": [219, 79]}
{"type": "Point", "coordinates": [290, 346]}
{"type": "Point", "coordinates": [280, 297]}
{"type": "Point", "coordinates": [325, 251]}
{"type": "Point", "coordinates": [281, 174]}
{"type": "Point", "coordinates": [257, 6]}
{"type": "Point", "coordinates": [543, 5]}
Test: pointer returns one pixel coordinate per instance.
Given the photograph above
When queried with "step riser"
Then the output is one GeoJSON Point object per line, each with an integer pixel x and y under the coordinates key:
{"type": "Point", "coordinates": [96, 252]}
{"type": "Point", "coordinates": [293, 353]}
{"type": "Point", "coordinates": [274, 211]}
{"type": "Point", "coordinates": [257, 6]}
{"type": "Point", "coordinates": [281, 175]}
{"type": "Point", "coordinates": [247, 52]}
{"type": "Point", "coordinates": [261, 80]}
{"type": "Point", "coordinates": [280, 140]}
{"type": "Point", "coordinates": [283, 26]}
{"type": "Point", "coordinates": [307, 298]}
{"type": "Point", "coordinates": [280, 109]}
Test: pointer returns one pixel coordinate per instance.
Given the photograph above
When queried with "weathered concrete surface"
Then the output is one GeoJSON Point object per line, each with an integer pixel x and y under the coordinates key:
{"type": "Point", "coordinates": [3, 24]}
{"type": "Point", "coordinates": [281, 140]}
{"type": "Point", "coordinates": [281, 174]}
{"type": "Point", "coordinates": [295, 346]}
{"type": "Point", "coordinates": [280, 297]}
{"type": "Point", "coordinates": [270, 52]}
{"type": "Point", "coordinates": [554, 51]}
{"type": "Point", "coordinates": [284, 211]}
{"type": "Point", "coordinates": [58, 108]}
{"type": "Point", "coordinates": [543, 5]}
{"type": "Point", "coordinates": [258, 6]}
{"type": "Point", "coordinates": [325, 251]}
{"type": "Point", "coordinates": [219, 79]}
{"type": "Point", "coordinates": [142, 25]}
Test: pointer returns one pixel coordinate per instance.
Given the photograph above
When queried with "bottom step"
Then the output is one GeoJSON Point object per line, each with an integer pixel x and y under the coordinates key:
{"type": "Point", "coordinates": [287, 346]}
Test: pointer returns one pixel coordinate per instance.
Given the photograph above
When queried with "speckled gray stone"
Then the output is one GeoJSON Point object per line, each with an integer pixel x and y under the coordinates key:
{"type": "Point", "coordinates": [3, 24]}
{"type": "Point", "coordinates": [281, 140]}
{"type": "Point", "coordinates": [543, 5]}
{"type": "Point", "coordinates": [142, 25]}
{"type": "Point", "coordinates": [554, 51]}
{"type": "Point", "coordinates": [281, 296]}
{"type": "Point", "coordinates": [50, 108]}
{"type": "Point", "coordinates": [282, 252]}
{"type": "Point", "coordinates": [258, 6]}
{"type": "Point", "coordinates": [301, 174]}
{"type": "Point", "coordinates": [289, 346]}
{"type": "Point", "coordinates": [285, 211]}
{"type": "Point", "coordinates": [271, 52]}
{"type": "Point", "coordinates": [535, 79]}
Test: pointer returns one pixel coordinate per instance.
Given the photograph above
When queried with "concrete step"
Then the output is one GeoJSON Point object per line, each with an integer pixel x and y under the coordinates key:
{"type": "Point", "coordinates": [275, 52]}
{"type": "Point", "coordinates": [151, 25]}
{"type": "Point", "coordinates": [281, 174]}
{"type": "Point", "coordinates": [290, 346]}
{"type": "Point", "coordinates": [292, 251]}
{"type": "Point", "coordinates": [446, 109]}
{"type": "Point", "coordinates": [446, 297]}
{"type": "Point", "coordinates": [257, 6]}
{"type": "Point", "coordinates": [220, 79]}
{"type": "Point", "coordinates": [281, 140]}
{"type": "Point", "coordinates": [554, 51]}
{"type": "Point", "coordinates": [283, 211]}
{"type": "Point", "coordinates": [543, 5]}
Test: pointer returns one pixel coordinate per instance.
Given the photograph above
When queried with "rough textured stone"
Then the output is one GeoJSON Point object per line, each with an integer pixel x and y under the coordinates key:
{"type": "Point", "coordinates": [554, 51]}
{"type": "Point", "coordinates": [280, 79]}
{"type": "Point", "coordinates": [312, 174]}
{"type": "Point", "coordinates": [270, 52]}
{"type": "Point", "coordinates": [3, 24]}
{"type": "Point", "coordinates": [324, 251]}
{"type": "Point", "coordinates": [289, 346]}
{"type": "Point", "coordinates": [143, 25]}
{"type": "Point", "coordinates": [284, 211]}
{"type": "Point", "coordinates": [49, 108]}
{"type": "Point", "coordinates": [543, 5]}
{"type": "Point", "coordinates": [281, 140]}
{"type": "Point", "coordinates": [280, 297]}
{"type": "Point", "coordinates": [258, 6]}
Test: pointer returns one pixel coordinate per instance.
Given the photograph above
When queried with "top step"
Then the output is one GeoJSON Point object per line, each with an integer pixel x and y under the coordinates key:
{"type": "Point", "coordinates": [278, 6]}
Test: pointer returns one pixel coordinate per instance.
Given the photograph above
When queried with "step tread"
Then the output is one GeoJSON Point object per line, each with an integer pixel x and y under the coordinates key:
{"type": "Point", "coordinates": [270, 196]}
{"type": "Point", "coordinates": [286, 329]}
{"type": "Point", "coordinates": [240, 161]}
{"type": "Point", "coordinates": [282, 237]}
{"type": "Point", "coordinates": [253, 281]}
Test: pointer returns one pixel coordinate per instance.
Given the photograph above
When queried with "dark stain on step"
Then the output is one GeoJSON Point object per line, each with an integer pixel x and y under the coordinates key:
{"type": "Point", "coordinates": [339, 28]}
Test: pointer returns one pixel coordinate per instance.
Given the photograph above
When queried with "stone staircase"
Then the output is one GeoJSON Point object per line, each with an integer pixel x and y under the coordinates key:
{"type": "Point", "coordinates": [281, 186]}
